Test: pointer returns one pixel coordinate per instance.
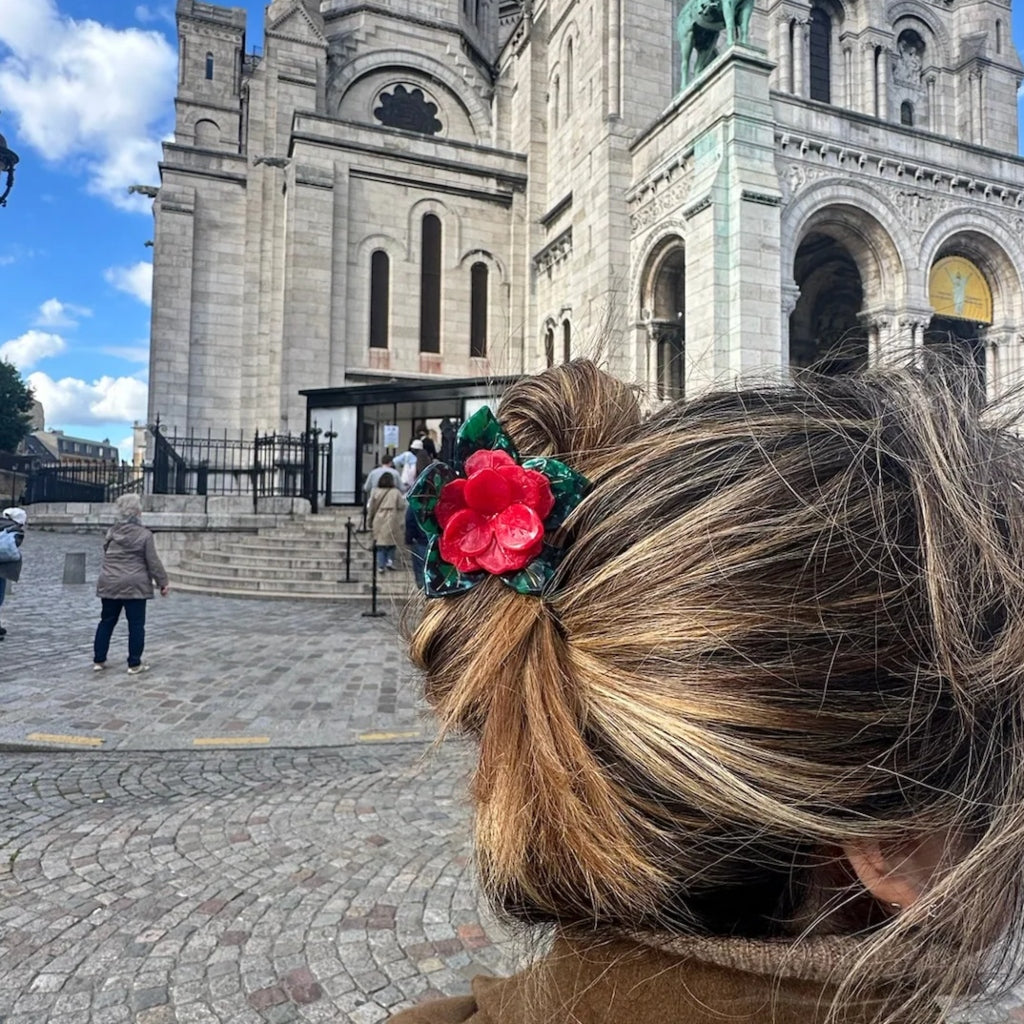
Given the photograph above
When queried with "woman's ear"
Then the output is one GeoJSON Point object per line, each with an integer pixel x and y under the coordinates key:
{"type": "Point", "coordinates": [897, 875]}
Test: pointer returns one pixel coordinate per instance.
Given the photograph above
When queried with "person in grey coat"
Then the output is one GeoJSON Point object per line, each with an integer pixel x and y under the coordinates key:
{"type": "Point", "coordinates": [12, 521]}
{"type": "Point", "coordinates": [130, 566]}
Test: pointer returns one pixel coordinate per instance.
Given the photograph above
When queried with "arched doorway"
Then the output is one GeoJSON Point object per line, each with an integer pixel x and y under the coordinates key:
{"type": "Point", "coordinates": [667, 305]}
{"type": "Point", "coordinates": [825, 331]}
{"type": "Point", "coordinates": [961, 300]}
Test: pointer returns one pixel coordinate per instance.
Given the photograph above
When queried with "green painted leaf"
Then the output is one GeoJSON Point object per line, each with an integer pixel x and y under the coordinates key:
{"type": "Point", "coordinates": [441, 579]}
{"type": "Point", "coordinates": [567, 486]}
{"type": "Point", "coordinates": [481, 432]}
{"type": "Point", "coordinates": [425, 494]}
{"type": "Point", "coordinates": [535, 578]}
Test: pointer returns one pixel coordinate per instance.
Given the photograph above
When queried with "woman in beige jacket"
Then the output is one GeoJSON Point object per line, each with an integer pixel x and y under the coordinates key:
{"type": "Point", "coordinates": [386, 516]}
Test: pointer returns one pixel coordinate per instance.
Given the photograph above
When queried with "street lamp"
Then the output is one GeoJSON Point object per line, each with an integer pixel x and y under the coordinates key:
{"type": "Point", "coordinates": [8, 158]}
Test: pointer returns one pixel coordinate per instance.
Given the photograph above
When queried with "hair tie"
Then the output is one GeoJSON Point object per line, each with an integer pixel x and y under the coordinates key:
{"type": "Point", "coordinates": [490, 512]}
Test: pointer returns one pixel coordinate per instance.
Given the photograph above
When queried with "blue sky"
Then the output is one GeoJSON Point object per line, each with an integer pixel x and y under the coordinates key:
{"type": "Point", "coordinates": [86, 95]}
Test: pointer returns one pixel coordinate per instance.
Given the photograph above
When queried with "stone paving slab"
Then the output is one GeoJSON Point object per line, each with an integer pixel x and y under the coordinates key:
{"type": "Point", "coordinates": [241, 886]}
{"type": "Point", "coordinates": [279, 673]}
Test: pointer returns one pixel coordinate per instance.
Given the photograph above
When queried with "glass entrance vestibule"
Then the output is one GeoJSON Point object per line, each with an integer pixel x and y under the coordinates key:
{"type": "Point", "coordinates": [371, 420]}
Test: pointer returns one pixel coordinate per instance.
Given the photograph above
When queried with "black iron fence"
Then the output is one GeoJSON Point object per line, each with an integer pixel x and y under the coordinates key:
{"type": "Point", "coordinates": [263, 466]}
{"type": "Point", "coordinates": [96, 482]}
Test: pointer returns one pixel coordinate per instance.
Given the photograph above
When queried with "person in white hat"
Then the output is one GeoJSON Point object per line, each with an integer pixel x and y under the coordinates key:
{"type": "Point", "coordinates": [12, 533]}
{"type": "Point", "coordinates": [411, 463]}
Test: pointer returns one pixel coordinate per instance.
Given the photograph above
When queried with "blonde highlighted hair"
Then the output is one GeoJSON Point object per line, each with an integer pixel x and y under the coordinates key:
{"type": "Point", "coordinates": [789, 618]}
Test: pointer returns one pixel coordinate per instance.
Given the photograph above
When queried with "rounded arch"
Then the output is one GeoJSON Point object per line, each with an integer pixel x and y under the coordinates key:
{"type": "Point", "coordinates": [386, 243]}
{"type": "Point", "coordinates": [450, 221]}
{"type": "Point", "coordinates": [206, 133]}
{"type": "Point", "coordinates": [549, 340]}
{"type": "Point", "coordinates": [912, 14]}
{"type": "Point", "coordinates": [471, 256]}
{"type": "Point", "coordinates": [854, 217]}
{"type": "Point", "coordinates": [412, 64]}
{"type": "Point", "coordinates": [981, 238]}
{"type": "Point", "coordinates": [670, 235]}
{"type": "Point", "coordinates": [663, 309]}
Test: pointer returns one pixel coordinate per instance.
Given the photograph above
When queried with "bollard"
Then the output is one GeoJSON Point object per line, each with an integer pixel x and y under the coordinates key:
{"type": "Point", "coordinates": [363, 528]}
{"type": "Point", "coordinates": [348, 550]}
{"type": "Point", "coordinates": [74, 567]}
{"type": "Point", "coordinates": [373, 613]}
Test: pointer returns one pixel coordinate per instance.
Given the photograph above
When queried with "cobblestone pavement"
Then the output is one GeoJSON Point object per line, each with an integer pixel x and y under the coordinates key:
{"type": "Point", "coordinates": [273, 673]}
{"type": "Point", "coordinates": [257, 830]}
{"type": "Point", "coordinates": [241, 886]}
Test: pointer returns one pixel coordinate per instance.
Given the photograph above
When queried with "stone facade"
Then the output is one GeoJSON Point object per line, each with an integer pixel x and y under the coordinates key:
{"type": "Point", "coordinates": [791, 204]}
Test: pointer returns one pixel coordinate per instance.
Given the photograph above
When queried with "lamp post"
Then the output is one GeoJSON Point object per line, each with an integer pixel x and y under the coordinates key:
{"type": "Point", "coordinates": [8, 158]}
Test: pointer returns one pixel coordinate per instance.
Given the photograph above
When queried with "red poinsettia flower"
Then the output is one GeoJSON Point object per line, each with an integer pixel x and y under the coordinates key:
{"type": "Point", "coordinates": [494, 518]}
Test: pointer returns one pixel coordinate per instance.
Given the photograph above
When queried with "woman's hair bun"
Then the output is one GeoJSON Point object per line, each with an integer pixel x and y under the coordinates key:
{"type": "Point", "coordinates": [571, 410]}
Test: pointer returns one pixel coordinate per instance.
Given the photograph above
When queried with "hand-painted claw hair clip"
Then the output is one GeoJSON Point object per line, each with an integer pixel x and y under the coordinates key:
{"type": "Point", "coordinates": [489, 513]}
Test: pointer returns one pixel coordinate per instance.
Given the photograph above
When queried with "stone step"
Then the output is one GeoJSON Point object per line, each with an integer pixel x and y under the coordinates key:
{"type": "Point", "coordinates": [262, 559]}
{"type": "Point", "coordinates": [393, 586]}
{"type": "Point", "coordinates": [333, 573]}
{"type": "Point", "coordinates": [390, 603]}
{"type": "Point", "coordinates": [305, 547]}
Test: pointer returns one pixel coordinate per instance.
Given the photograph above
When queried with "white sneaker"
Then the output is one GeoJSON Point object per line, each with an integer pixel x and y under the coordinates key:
{"type": "Point", "coordinates": [98, 666]}
{"type": "Point", "coordinates": [135, 670]}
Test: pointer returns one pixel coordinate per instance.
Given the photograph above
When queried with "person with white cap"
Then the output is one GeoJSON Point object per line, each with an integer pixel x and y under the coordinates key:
{"type": "Point", "coordinates": [12, 533]}
{"type": "Point", "coordinates": [411, 463]}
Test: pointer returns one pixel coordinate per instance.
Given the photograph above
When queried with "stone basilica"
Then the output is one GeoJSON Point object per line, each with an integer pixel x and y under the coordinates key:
{"type": "Point", "coordinates": [397, 203]}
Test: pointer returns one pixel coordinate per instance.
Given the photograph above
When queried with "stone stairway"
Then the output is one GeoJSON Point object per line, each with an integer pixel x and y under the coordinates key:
{"type": "Point", "coordinates": [304, 559]}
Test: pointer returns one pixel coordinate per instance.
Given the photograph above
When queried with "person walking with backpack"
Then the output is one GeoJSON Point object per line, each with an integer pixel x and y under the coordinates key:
{"type": "Point", "coordinates": [12, 533]}
{"type": "Point", "coordinates": [130, 566]}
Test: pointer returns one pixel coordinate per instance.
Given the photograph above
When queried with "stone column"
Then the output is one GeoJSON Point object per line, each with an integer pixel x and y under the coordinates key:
{"type": "Point", "coordinates": [785, 51]}
{"type": "Point", "coordinates": [934, 123]}
{"type": "Point", "coordinates": [649, 334]}
{"type": "Point", "coordinates": [879, 331]}
{"type": "Point", "coordinates": [882, 70]}
{"type": "Point", "coordinates": [979, 111]}
{"type": "Point", "coordinates": [800, 57]}
{"type": "Point", "coordinates": [912, 325]}
{"type": "Point", "coordinates": [994, 370]}
{"type": "Point", "coordinates": [869, 81]}
{"type": "Point", "coordinates": [790, 297]}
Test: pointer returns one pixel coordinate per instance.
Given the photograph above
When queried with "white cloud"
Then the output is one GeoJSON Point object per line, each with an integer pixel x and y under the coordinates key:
{"type": "Point", "coordinates": [54, 313]}
{"type": "Point", "coordinates": [126, 448]}
{"type": "Point", "coordinates": [129, 353]}
{"type": "Point", "coordinates": [107, 400]}
{"type": "Point", "coordinates": [146, 13]}
{"type": "Point", "coordinates": [85, 94]}
{"type": "Point", "coordinates": [135, 280]}
{"type": "Point", "coordinates": [31, 347]}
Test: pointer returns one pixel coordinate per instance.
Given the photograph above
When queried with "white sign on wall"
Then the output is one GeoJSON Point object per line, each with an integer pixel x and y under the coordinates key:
{"type": "Point", "coordinates": [390, 435]}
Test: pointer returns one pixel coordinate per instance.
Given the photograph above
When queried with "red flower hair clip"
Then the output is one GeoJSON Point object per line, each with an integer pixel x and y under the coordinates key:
{"type": "Point", "coordinates": [491, 512]}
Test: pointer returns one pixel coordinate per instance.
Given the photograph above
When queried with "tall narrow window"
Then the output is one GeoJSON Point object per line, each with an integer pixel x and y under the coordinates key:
{"type": "Point", "coordinates": [556, 99]}
{"type": "Point", "coordinates": [380, 298]}
{"type": "Point", "coordinates": [820, 57]}
{"type": "Point", "coordinates": [209, 66]}
{"type": "Point", "coordinates": [430, 285]}
{"type": "Point", "coordinates": [999, 37]}
{"type": "Point", "coordinates": [478, 310]}
{"type": "Point", "coordinates": [566, 341]}
{"type": "Point", "coordinates": [907, 113]}
{"type": "Point", "coordinates": [568, 78]}
{"type": "Point", "coordinates": [549, 347]}
{"type": "Point", "coordinates": [476, 12]}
